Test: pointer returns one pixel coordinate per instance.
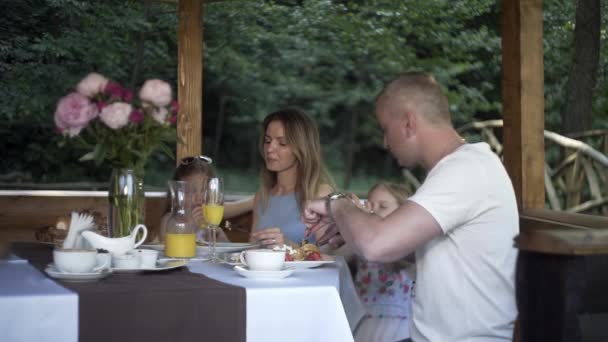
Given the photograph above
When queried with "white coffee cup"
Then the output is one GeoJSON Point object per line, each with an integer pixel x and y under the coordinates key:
{"type": "Point", "coordinates": [127, 261]}
{"type": "Point", "coordinates": [104, 259]}
{"type": "Point", "coordinates": [76, 260]}
{"type": "Point", "coordinates": [148, 257]}
{"type": "Point", "coordinates": [263, 259]}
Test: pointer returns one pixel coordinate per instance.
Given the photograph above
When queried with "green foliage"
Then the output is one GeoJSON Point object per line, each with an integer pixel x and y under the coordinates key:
{"type": "Point", "coordinates": [329, 57]}
{"type": "Point", "coordinates": [332, 57]}
{"type": "Point", "coordinates": [48, 46]}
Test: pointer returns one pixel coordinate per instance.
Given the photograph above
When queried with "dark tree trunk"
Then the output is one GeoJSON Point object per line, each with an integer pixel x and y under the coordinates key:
{"type": "Point", "coordinates": [576, 114]}
{"type": "Point", "coordinates": [350, 152]}
{"type": "Point", "coordinates": [139, 51]}
{"type": "Point", "coordinates": [219, 128]}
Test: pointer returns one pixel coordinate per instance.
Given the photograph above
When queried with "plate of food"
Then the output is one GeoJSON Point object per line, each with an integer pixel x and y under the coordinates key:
{"type": "Point", "coordinates": [306, 256]}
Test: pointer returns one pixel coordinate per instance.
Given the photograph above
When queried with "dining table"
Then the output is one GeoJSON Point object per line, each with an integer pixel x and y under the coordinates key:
{"type": "Point", "coordinates": [202, 301]}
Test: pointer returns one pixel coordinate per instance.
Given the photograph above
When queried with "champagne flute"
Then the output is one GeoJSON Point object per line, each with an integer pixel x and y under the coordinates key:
{"type": "Point", "coordinates": [213, 210]}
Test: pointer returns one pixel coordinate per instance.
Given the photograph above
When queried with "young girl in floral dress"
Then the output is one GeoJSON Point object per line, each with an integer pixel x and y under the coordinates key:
{"type": "Point", "coordinates": [384, 288]}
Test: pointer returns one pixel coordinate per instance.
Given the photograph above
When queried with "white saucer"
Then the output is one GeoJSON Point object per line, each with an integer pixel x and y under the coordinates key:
{"type": "Point", "coordinates": [76, 277]}
{"type": "Point", "coordinates": [161, 265]}
{"type": "Point", "coordinates": [245, 272]}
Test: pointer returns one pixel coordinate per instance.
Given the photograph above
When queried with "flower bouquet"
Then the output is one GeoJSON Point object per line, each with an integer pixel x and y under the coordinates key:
{"type": "Point", "coordinates": [112, 125]}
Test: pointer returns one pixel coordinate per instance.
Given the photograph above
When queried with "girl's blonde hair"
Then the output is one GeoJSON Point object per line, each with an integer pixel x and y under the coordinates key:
{"type": "Point", "coordinates": [398, 191]}
{"type": "Point", "coordinates": [302, 136]}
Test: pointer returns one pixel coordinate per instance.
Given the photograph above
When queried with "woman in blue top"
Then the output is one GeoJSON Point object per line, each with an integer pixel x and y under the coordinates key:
{"type": "Point", "coordinates": [293, 174]}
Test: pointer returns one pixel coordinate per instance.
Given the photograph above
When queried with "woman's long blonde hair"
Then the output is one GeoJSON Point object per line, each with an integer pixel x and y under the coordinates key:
{"type": "Point", "coordinates": [302, 136]}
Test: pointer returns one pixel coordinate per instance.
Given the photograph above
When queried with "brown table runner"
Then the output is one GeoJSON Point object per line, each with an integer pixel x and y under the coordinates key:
{"type": "Point", "coordinates": [174, 305]}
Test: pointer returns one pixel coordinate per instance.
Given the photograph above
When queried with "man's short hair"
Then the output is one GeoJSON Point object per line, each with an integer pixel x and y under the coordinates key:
{"type": "Point", "coordinates": [419, 93]}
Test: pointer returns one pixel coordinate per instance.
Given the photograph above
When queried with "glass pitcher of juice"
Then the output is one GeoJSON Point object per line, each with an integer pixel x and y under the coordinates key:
{"type": "Point", "coordinates": [180, 239]}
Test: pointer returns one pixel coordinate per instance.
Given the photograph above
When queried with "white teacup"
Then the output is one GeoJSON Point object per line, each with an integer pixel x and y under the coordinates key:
{"type": "Point", "coordinates": [130, 261]}
{"type": "Point", "coordinates": [104, 259]}
{"type": "Point", "coordinates": [77, 260]}
{"type": "Point", "coordinates": [148, 257]}
{"type": "Point", "coordinates": [263, 259]}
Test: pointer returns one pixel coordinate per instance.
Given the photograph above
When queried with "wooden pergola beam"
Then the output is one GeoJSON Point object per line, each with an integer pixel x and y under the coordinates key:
{"type": "Point", "coordinates": [190, 78]}
{"type": "Point", "coordinates": [523, 99]}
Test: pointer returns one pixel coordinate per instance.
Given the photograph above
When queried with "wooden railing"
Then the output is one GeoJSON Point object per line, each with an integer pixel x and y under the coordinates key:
{"type": "Point", "coordinates": [25, 212]}
{"type": "Point", "coordinates": [576, 177]}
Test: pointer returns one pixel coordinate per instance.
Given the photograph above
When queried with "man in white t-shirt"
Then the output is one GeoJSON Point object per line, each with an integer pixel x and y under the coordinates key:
{"type": "Point", "coordinates": [460, 222]}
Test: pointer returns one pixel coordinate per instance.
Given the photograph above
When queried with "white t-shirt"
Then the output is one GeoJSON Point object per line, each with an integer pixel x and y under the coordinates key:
{"type": "Point", "coordinates": [465, 277]}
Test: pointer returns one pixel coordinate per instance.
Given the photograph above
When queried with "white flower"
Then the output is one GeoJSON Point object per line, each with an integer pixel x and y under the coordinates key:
{"type": "Point", "coordinates": [156, 92]}
{"type": "Point", "coordinates": [116, 115]}
{"type": "Point", "coordinates": [160, 114]}
{"type": "Point", "coordinates": [92, 84]}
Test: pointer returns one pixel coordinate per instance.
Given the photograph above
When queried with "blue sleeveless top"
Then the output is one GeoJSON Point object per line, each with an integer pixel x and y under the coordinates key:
{"type": "Point", "coordinates": [282, 212]}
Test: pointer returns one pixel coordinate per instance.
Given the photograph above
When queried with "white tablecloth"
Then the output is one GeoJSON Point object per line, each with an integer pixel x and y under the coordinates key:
{"type": "Point", "coordinates": [311, 305]}
{"type": "Point", "coordinates": [33, 307]}
{"type": "Point", "coordinates": [318, 304]}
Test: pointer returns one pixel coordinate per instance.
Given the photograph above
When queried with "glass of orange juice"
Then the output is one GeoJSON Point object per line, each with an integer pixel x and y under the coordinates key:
{"type": "Point", "coordinates": [213, 210]}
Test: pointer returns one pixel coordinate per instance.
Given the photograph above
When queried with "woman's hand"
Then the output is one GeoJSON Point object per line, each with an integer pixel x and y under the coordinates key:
{"type": "Point", "coordinates": [199, 218]}
{"type": "Point", "coordinates": [269, 237]}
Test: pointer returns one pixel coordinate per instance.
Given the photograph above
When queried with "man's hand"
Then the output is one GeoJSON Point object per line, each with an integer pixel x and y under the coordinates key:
{"type": "Point", "coordinates": [316, 219]}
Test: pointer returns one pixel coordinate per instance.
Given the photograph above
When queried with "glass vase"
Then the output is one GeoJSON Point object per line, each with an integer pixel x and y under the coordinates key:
{"type": "Point", "coordinates": [127, 201]}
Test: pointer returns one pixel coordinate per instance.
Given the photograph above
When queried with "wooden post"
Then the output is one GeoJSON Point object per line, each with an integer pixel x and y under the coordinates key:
{"type": "Point", "coordinates": [523, 99]}
{"type": "Point", "coordinates": [190, 78]}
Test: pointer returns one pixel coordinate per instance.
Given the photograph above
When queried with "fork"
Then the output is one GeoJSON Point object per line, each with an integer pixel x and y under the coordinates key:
{"type": "Point", "coordinates": [229, 227]}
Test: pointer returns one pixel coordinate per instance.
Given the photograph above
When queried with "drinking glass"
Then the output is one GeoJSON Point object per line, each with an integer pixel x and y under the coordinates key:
{"type": "Point", "coordinates": [213, 210]}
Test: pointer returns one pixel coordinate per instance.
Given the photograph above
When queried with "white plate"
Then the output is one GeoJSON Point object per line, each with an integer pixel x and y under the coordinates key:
{"type": "Point", "coordinates": [161, 265]}
{"type": "Point", "coordinates": [225, 247]}
{"type": "Point", "coordinates": [245, 272]}
{"type": "Point", "coordinates": [325, 259]}
{"type": "Point", "coordinates": [307, 264]}
{"type": "Point", "coordinates": [222, 247]}
{"type": "Point", "coordinates": [76, 277]}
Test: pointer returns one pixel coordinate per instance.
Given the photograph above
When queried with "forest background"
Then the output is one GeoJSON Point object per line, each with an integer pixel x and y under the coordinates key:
{"type": "Point", "coordinates": [328, 57]}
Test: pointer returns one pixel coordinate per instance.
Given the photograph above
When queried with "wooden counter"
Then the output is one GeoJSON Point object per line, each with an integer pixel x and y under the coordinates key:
{"type": "Point", "coordinates": [562, 275]}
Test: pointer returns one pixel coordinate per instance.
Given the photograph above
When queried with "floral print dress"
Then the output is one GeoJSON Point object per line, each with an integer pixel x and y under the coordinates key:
{"type": "Point", "coordinates": [385, 290]}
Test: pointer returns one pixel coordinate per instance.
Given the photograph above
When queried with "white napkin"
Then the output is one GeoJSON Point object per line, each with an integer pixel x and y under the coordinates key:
{"type": "Point", "coordinates": [78, 224]}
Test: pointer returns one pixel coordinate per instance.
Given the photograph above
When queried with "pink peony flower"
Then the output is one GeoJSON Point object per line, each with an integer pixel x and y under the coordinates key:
{"type": "Point", "coordinates": [116, 115]}
{"type": "Point", "coordinates": [160, 114]}
{"type": "Point", "coordinates": [156, 92]}
{"type": "Point", "coordinates": [136, 116]}
{"type": "Point", "coordinates": [101, 105]}
{"type": "Point", "coordinates": [174, 106]}
{"type": "Point", "coordinates": [127, 95]}
{"type": "Point", "coordinates": [173, 119]}
{"type": "Point", "coordinates": [114, 89]}
{"type": "Point", "coordinates": [92, 84]}
{"type": "Point", "coordinates": [74, 112]}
